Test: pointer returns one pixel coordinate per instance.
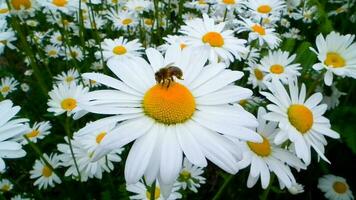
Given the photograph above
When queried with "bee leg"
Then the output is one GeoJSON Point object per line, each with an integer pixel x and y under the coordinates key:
{"type": "Point", "coordinates": [169, 82]}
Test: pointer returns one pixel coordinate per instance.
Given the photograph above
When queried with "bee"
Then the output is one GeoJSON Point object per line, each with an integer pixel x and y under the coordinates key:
{"type": "Point", "coordinates": [165, 75]}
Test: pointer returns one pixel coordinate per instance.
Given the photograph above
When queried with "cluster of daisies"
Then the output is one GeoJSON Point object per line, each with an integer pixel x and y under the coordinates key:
{"type": "Point", "coordinates": [162, 90]}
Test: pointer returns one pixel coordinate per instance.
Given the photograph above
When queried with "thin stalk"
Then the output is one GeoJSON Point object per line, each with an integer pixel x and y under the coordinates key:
{"type": "Point", "coordinates": [156, 13]}
{"type": "Point", "coordinates": [265, 193]}
{"type": "Point", "coordinates": [223, 186]}
{"type": "Point", "coordinates": [225, 14]}
{"type": "Point", "coordinates": [153, 191]}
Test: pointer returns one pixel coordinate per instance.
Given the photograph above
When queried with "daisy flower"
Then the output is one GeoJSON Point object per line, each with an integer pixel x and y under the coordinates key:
{"type": "Point", "coordinates": [256, 76]}
{"type": "Point", "coordinates": [336, 55]}
{"type": "Point", "coordinates": [66, 6]}
{"type": "Point", "coordinates": [160, 116]}
{"type": "Point", "coordinates": [8, 85]}
{"type": "Point", "coordinates": [139, 5]}
{"type": "Point", "coordinates": [174, 40]}
{"type": "Point", "coordinates": [23, 7]}
{"type": "Point", "coordinates": [123, 19]}
{"type": "Point", "coordinates": [38, 131]}
{"type": "Point", "coordinates": [213, 40]}
{"type": "Point", "coordinates": [56, 39]}
{"type": "Point", "coordinates": [143, 192]}
{"type": "Point", "coordinates": [69, 77]}
{"type": "Point", "coordinates": [67, 98]}
{"type": "Point", "coordinates": [9, 129]}
{"type": "Point", "coordinates": [119, 49]}
{"type": "Point", "coordinates": [335, 187]}
{"type": "Point", "coordinates": [74, 52]}
{"type": "Point", "coordinates": [265, 8]}
{"type": "Point", "coordinates": [301, 119]}
{"type": "Point", "coordinates": [279, 65]}
{"type": "Point", "coordinates": [190, 176]}
{"type": "Point", "coordinates": [5, 186]}
{"type": "Point", "coordinates": [267, 157]}
{"type": "Point", "coordinates": [331, 96]}
{"type": "Point", "coordinates": [87, 167]}
{"type": "Point", "coordinates": [44, 174]}
{"type": "Point", "coordinates": [260, 33]}
{"type": "Point", "coordinates": [4, 10]}
{"type": "Point", "coordinates": [6, 39]}
{"type": "Point", "coordinates": [53, 51]}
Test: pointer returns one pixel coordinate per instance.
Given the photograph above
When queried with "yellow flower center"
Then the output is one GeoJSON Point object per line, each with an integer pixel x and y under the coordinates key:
{"type": "Point", "coordinates": [340, 187]}
{"type": "Point", "coordinates": [335, 60]}
{"type": "Point", "coordinates": [5, 188]}
{"type": "Point", "coordinates": [69, 104]}
{"type": "Point", "coordinates": [171, 105]}
{"type": "Point", "coordinates": [59, 38]}
{"type": "Point", "coordinates": [262, 149]}
{"type": "Point", "coordinates": [100, 137]}
{"type": "Point", "coordinates": [46, 171]}
{"type": "Point", "coordinates": [277, 69]}
{"type": "Point", "coordinates": [201, 2]}
{"type": "Point", "coordinates": [74, 54]}
{"type": "Point", "coordinates": [149, 22]}
{"type": "Point", "coordinates": [214, 39]}
{"type": "Point", "coordinates": [243, 102]}
{"type": "Point", "coordinates": [60, 3]}
{"type": "Point", "coordinates": [185, 175]}
{"type": "Point", "coordinates": [127, 21]}
{"type": "Point", "coordinates": [229, 1]}
{"type": "Point", "coordinates": [265, 9]}
{"type": "Point", "coordinates": [18, 4]}
{"type": "Point", "coordinates": [119, 50]}
{"type": "Point", "coordinates": [52, 52]}
{"type": "Point", "coordinates": [5, 89]}
{"type": "Point", "coordinates": [258, 74]}
{"type": "Point", "coordinates": [258, 29]}
{"type": "Point", "coordinates": [300, 117]}
{"type": "Point", "coordinates": [4, 10]}
{"type": "Point", "coordinates": [157, 193]}
{"type": "Point", "coordinates": [69, 79]}
{"type": "Point", "coordinates": [33, 133]}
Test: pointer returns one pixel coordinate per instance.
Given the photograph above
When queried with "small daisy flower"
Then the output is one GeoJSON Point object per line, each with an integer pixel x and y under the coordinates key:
{"type": "Point", "coordinates": [67, 98]}
{"type": "Point", "coordinates": [123, 19]}
{"type": "Point", "coordinates": [6, 39]}
{"type": "Point", "coordinates": [265, 8]}
{"type": "Point", "coordinates": [69, 77]}
{"type": "Point", "coordinates": [38, 131]}
{"type": "Point", "coordinates": [5, 186]}
{"type": "Point", "coordinates": [306, 14]}
{"type": "Point", "coordinates": [256, 76]}
{"type": "Point", "coordinates": [74, 52]}
{"type": "Point", "coordinates": [25, 87]}
{"type": "Point", "coordinates": [139, 5]}
{"type": "Point", "coordinates": [9, 129]}
{"type": "Point", "coordinates": [8, 85]}
{"type": "Point", "coordinates": [335, 187]}
{"type": "Point", "coordinates": [190, 176]}
{"type": "Point", "coordinates": [143, 192]}
{"type": "Point", "coordinates": [331, 96]}
{"type": "Point", "coordinates": [56, 39]}
{"type": "Point", "coordinates": [65, 6]}
{"type": "Point", "coordinates": [300, 119]}
{"type": "Point", "coordinates": [118, 49]}
{"type": "Point", "coordinates": [174, 40]}
{"type": "Point", "coordinates": [260, 33]}
{"type": "Point", "coordinates": [279, 65]}
{"type": "Point", "coordinates": [267, 157]}
{"type": "Point", "coordinates": [87, 167]}
{"type": "Point", "coordinates": [336, 55]}
{"type": "Point", "coordinates": [53, 51]}
{"type": "Point", "coordinates": [44, 174]}
{"type": "Point", "coordinates": [23, 7]}
{"type": "Point", "coordinates": [213, 40]}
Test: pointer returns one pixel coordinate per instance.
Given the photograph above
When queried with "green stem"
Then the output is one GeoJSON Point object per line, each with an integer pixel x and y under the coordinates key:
{"type": "Point", "coordinates": [223, 186]}
{"type": "Point", "coordinates": [265, 193]}
{"type": "Point", "coordinates": [225, 14]}
{"type": "Point", "coordinates": [153, 191]}
{"type": "Point", "coordinates": [156, 13]}
{"type": "Point", "coordinates": [69, 135]}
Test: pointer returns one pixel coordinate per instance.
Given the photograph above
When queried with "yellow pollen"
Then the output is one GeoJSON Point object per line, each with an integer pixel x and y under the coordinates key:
{"type": "Point", "coordinates": [262, 149]}
{"type": "Point", "coordinates": [149, 22]}
{"type": "Point", "coordinates": [229, 1]}
{"type": "Point", "coordinates": [5, 188]}
{"type": "Point", "coordinates": [127, 21]}
{"type": "Point", "coordinates": [335, 60]}
{"type": "Point", "coordinates": [100, 137]}
{"type": "Point", "coordinates": [265, 9]}
{"type": "Point", "coordinates": [171, 105]}
{"type": "Point", "coordinates": [258, 29]}
{"type": "Point", "coordinates": [300, 117]}
{"type": "Point", "coordinates": [340, 187]}
{"type": "Point", "coordinates": [182, 46]}
{"type": "Point", "coordinates": [214, 39]}
{"type": "Point", "coordinates": [18, 4]}
{"type": "Point", "coordinates": [4, 10]}
{"type": "Point", "coordinates": [5, 89]}
{"type": "Point", "coordinates": [46, 171]}
{"type": "Point", "coordinates": [52, 52]}
{"type": "Point", "coordinates": [119, 50]}
{"type": "Point", "coordinates": [68, 104]}
{"type": "Point", "coordinates": [277, 69]}
{"type": "Point", "coordinates": [69, 79]}
{"type": "Point", "coordinates": [258, 74]}
{"type": "Point", "coordinates": [157, 193]}
{"type": "Point", "coordinates": [33, 133]}
{"type": "Point", "coordinates": [60, 3]}
{"type": "Point", "coordinates": [185, 175]}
